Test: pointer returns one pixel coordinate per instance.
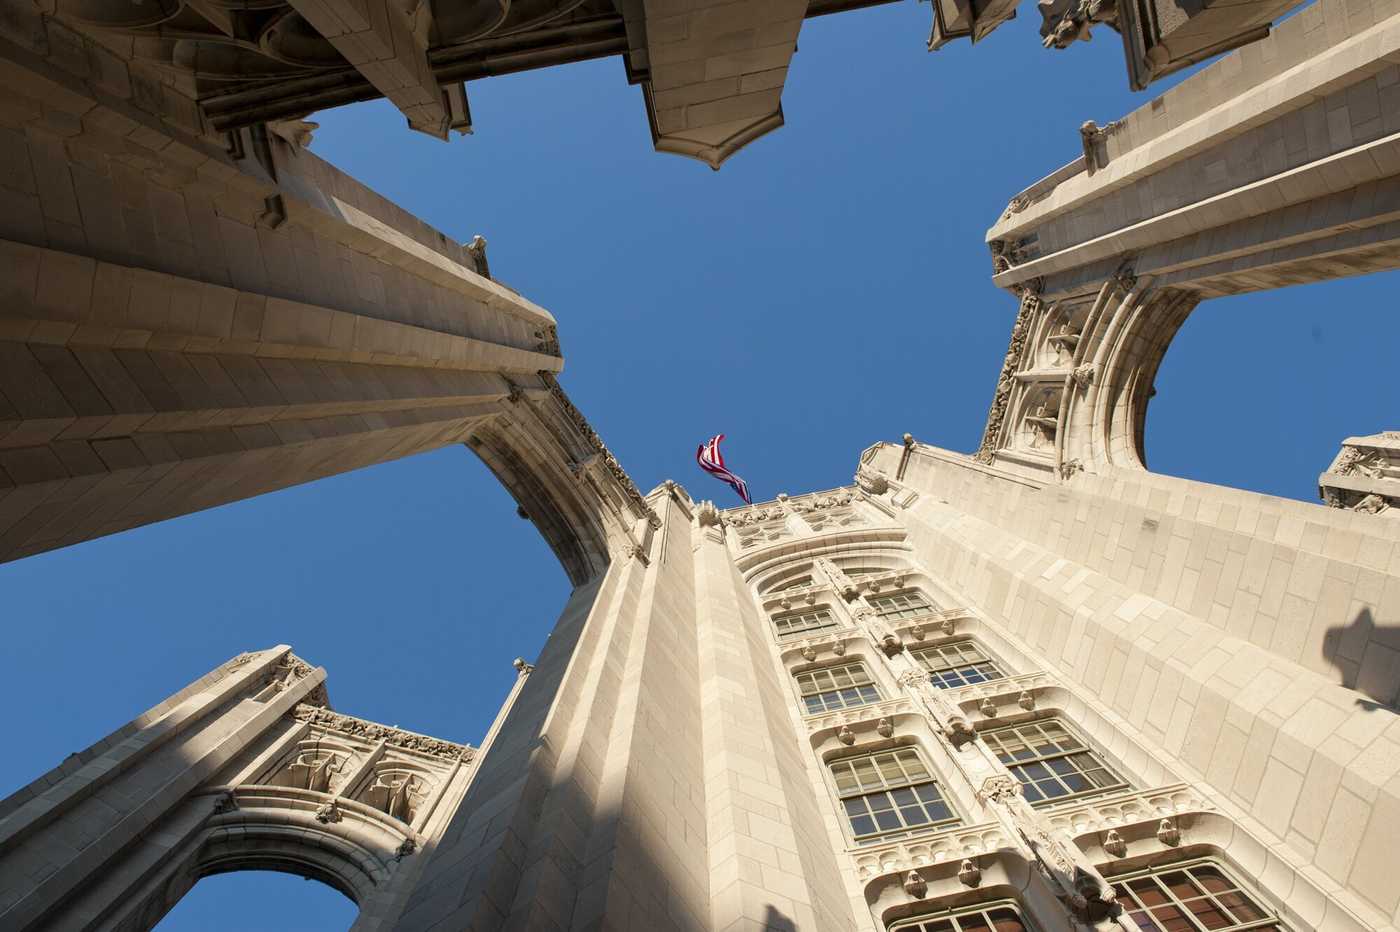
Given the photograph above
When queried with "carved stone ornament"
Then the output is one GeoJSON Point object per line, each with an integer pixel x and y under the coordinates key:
{"type": "Point", "coordinates": [1083, 376]}
{"type": "Point", "coordinates": [871, 481]}
{"type": "Point", "coordinates": [328, 812]}
{"type": "Point", "coordinates": [988, 708]}
{"type": "Point", "coordinates": [891, 644]}
{"type": "Point", "coordinates": [915, 885]}
{"type": "Point", "coordinates": [1026, 700]}
{"type": "Point", "coordinates": [846, 736]}
{"type": "Point", "coordinates": [614, 468]}
{"type": "Point", "coordinates": [477, 250]}
{"type": "Point", "coordinates": [225, 803]}
{"type": "Point", "coordinates": [948, 626]}
{"type": "Point", "coordinates": [1115, 845]}
{"type": "Point", "coordinates": [1006, 381]}
{"type": "Point", "coordinates": [917, 632]}
{"type": "Point", "coordinates": [969, 873]}
{"type": "Point", "coordinates": [839, 648]}
{"type": "Point", "coordinates": [885, 728]}
{"type": "Point", "coordinates": [1017, 204]}
{"type": "Point", "coordinates": [242, 660]}
{"type": "Point", "coordinates": [297, 133]}
{"type": "Point", "coordinates": [521, 667]}
{"type": "Point", "coordinates": [373, 731]}
{"type": "Point", "coordinates": [1372, 504]}
{"type": "Point", "coordinates": [999, 788]}
{"type": "Point", "coordinates": [1069, 468]}
{"type": "Point", "coordinates": [1168, 833]}
{"type": "Point", "coordinates": [809, 652]}
{"type": "Point", "coordinates": [405, 848]}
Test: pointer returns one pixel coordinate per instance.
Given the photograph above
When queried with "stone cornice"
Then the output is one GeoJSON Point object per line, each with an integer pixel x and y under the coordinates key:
{"type": "Point", "coordinates": [373, 731]}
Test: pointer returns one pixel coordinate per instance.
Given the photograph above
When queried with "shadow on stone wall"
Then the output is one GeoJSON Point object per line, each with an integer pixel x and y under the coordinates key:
{"type": "Point", "coordinates": [775, 921]}
{"type": "Point", "coordinates": [1362, 655]}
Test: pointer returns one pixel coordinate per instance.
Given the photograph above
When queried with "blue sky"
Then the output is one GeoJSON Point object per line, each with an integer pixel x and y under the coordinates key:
{"type": "Point", "coordinates": [827, 289]}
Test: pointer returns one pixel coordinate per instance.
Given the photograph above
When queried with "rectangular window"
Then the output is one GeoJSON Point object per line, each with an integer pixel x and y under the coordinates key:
{"type": "Point", "coordinates": [960, 663]}
{"type": "Point", "coordinates": [832, 688]}
{"type": "Point", "coordinates": [890, 792]}
{"type": "Point", "coordinates": [799, 622]}
{"type": "Point", "coordinates": [1051, 762]}
{"type": "Point", "coordinates": [900, 605]}
{"type": "Point", "coordinates": [1191, 898]}
{"type": "Point", "coordinates": [989, 917]}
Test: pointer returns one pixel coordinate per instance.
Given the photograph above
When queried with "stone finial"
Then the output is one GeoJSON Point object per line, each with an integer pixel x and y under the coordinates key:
{"type": "Point", "coordinates": [915, 885]}
{"type": "Point", "coordinates": [521, 667]}
{"type": "Point", "coordinates": [707, 515]}
{"type": "Point", "coordinates": [969, 873]}
{"type": "Point", "coordinates": [909, 441]}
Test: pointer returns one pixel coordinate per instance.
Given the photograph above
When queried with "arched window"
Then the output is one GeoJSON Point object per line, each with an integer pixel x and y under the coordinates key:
{"type": "Point", "coordinates": [1193, 897]}
{"type": "Point", "coordinates": [794, 623]}
{"type": "Point", "coordinates": [1051, 761]}
{"type": "Point", "coordinates": [958, 663]}
{"type": "Point", "coordinates": [984, 917]}
{"type": "Point", "coordinates": [908, 604]}
{"type": "Point", "coordinates": [841, 687]}
{"type": "Point", "coordinates": [889, 795]}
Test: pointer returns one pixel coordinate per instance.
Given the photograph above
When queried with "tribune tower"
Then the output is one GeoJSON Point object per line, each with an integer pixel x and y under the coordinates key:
{"type": "Point", "coordinates": [1035, 686]}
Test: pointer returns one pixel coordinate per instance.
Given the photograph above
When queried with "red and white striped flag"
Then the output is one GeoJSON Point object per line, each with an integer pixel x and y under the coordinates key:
{"type": "Point", "coordinates": [712, 461]}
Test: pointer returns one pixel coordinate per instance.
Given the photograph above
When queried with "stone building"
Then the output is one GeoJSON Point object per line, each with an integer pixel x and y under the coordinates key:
{"type": "Point", "coordinates": [1035, 686]}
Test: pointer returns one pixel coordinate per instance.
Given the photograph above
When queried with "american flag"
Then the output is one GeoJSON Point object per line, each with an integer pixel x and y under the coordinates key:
{"type": "Point", "coordinates": [712, 461]}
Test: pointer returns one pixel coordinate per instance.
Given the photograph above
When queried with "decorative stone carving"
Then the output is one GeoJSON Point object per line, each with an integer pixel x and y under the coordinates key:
{"type": "Point", "coordinates": [871, 481]}
{"type": "Point", "coordinates": [1006, 381]}
{"type": "Point", "coordinates": [405, 848]}
{"type": "Point", "coordinates": [1114, 844]}
{"type": "Point", "coordinates": [297, 133]}
{"type": "Point", "coordinates": [948, 625]}
{"type": "Point", "coordinates": [477, 250]}
{"type": "Point", "coordinates": [315, 768]}
{"type": "Point", "coordinates": [969, 873]}
{"type": "Point", "coordinates": [397, 793]}
{"type": "Point", "coordinates": [1006, 254]}
{"type": "Point", "coordinates": [839, 648]}
{"type": "Point", "coordinates": [1083, 376]}
{"type": "Point", "coordinates": [614, 468]}
{"type": "Point", "coordinates": [521, 667]}
{"type": "Point", "coordinates": [1044, 423]}
{"type": "Point", "coordinates": [372, 731]}
{"type": "Point", "coordinates": [290, 669]}
{"type": "Point", "coordinates": [1026, 700]}
{"type": "Point", "coordinates": [846, 736]}
{"type": "Point", "coordinates": [225, 803]}
{"type": "Point", "coordinates": [328, 812]}
{"type": "Point", "coordinates": [917, 632]}
{"type": "Point", "coordinates": [1168, 833]}
{"type": "Point", "coordinates": [809, 653]}
{"type": "Point", "coordinates": [988, 708]}
{"type": "Point", "coordinates": [915, 885]}
{"type": "Point", "coordinates": [1070, 468]}
{"type": "Point", "coordinates": [1372, 504]}
{"type": "Point", "coordinates": [242, 660]}
{"type": "Point", "coordinates": [885, 728]}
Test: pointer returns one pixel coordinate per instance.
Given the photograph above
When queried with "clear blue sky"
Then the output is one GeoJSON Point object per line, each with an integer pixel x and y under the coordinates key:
{"type": "Point", "coordinates": [828, 288]}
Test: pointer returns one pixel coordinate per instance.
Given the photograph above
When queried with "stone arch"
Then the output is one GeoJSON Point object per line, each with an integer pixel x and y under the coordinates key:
{"type": "Point", "coordinates": [1075, 386]}
{"type": "Point", "coordinates": [276, 829]}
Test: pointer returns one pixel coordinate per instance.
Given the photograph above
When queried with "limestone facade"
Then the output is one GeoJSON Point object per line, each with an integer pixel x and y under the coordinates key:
{"type": "Point", "coordinates": [1033, 686]}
